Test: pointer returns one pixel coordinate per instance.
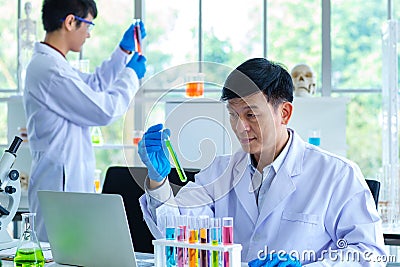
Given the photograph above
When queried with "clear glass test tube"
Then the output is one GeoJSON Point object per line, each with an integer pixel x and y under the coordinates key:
{"type": "Point", "coordinates": [215, 240]}
{"type": "Point", "coordinates": [182, 235]}
{"type": "Point", "coordinates": [227, 236]}
{"type": "Point", "coordinates": [204, 225]}
{"type": "Point", "coordinates": [170, 234]}
{"type": "Point", "coordinates": [193, 238]}
{"type": "Point", "coordinates": [137, 34]}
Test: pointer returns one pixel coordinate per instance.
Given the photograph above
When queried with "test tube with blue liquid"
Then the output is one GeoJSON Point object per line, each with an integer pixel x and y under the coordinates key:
{"type": "Point", "coordinates": [182, 222]}
{"type": "Point", "coordinates": [215, 241]}
{"type": "Point", "coordinates": [204, 224]}
{"type": "Point", "coordinates": [170, 235]}
{"type": "Point", "coordinates": [193, 239]}
{"type": "Point", "coordinates": [227, 236]}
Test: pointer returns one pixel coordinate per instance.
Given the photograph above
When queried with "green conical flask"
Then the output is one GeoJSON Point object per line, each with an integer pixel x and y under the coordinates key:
{"type": "Point", "coordinates": [29, 253]}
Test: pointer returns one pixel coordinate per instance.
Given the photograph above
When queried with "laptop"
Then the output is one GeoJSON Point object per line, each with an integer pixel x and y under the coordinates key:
{"type": "Point", "coordinates": [88, 229]}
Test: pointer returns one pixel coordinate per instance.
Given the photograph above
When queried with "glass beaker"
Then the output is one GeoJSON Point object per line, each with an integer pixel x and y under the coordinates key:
{"type": "Point", "coordinates": [314, 137]}
{"type": "Point", "coordinates": [137, 136]}
{"type": "Point", "coordinates": [81, 64]}
{"type": "Point", "coordinates": [29, 253]}
{"type": "Point", "coordinates": [195, 84]}
{"type": "Point", "coordinates": [96, 135]}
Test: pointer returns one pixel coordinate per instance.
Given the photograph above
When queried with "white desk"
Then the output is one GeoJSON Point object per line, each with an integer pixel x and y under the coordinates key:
{"type": "Point", "coordinates": [11, 264]}
{"type": "Point", "coordinates": [140, 257]}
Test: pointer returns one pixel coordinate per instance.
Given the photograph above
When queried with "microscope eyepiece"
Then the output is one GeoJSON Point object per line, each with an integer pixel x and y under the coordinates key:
{"type": "Point", "coordinates": [15, 145]}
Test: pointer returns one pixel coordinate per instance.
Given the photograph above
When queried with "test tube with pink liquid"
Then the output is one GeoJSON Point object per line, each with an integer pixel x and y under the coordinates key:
{"type": "Point", "coordinates": [182, 236]}
{"type": "Point", "coordinates": [227, 236]}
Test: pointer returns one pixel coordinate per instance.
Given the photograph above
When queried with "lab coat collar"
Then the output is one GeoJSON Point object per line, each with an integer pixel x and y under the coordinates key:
{"type": "Point", "coordinates": [295, 159]}
{"type": "Point", "coordinates": [244, 188]}
{"type": "Point", "coordinates": [283, 185]}
{"type": "Point", "coordinates": [277, 163]}
{"type": "Point", "coordinates": [46, 49]}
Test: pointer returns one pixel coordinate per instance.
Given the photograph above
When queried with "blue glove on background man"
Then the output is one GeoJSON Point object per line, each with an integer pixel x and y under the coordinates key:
{"type": "Point", "coordinates": [138, 64]}
{"type": "Point", "coordinates": [128, 41]}
{"type": "Point", "coordinates": [153, 152]}
{"type": "Point", "coordinates": [275, 260]}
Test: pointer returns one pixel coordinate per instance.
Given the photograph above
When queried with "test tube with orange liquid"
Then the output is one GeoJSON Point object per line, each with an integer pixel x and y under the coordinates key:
{"type": "Point", "coordinates": [137, 37]}
{"type": "Point", "coordinates": [193, 238]}
{"type": "Point", "coordinates": [195, 84]}
{"type": "Point", "coordinates": [97, 183]}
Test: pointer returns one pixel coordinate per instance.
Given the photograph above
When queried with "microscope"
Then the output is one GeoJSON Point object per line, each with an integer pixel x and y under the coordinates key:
{"type": "Point", "coordinates": [10, 193]}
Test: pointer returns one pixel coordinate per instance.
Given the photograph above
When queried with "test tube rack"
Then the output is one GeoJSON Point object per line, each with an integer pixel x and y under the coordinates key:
{"type": "Point", "coordinates": [234, 250]}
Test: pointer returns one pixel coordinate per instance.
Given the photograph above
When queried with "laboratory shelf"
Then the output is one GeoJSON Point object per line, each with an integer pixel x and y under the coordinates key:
{"type": "Point", "coordinates": [104, 146]}
{"type": "Point", "coordinates": [114, 146]}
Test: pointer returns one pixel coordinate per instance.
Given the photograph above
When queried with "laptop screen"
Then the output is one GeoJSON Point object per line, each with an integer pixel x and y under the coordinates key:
{"type": "Point", "coordinates": [87, 229]}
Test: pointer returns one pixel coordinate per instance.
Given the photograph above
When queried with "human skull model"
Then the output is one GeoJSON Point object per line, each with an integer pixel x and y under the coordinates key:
{"type": "Point", "coordinates": [303, 80]}
{"type": "Point", "coordinates": [28, 9]}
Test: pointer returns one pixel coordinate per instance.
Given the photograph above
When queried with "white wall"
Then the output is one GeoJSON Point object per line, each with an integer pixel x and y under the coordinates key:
{"type": "Point", "coordinates": [201, 130]}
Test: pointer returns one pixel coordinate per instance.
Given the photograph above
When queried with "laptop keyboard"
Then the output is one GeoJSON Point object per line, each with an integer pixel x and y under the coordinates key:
{"type": "Point", "coordinates": [145, 264]}
{"type": "Point", "coordinates": [144, 259]}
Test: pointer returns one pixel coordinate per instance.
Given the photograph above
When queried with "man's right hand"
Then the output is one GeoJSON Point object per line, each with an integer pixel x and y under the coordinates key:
{"type": "Point", "coordinates": [128, 41]}
{"type": "Point", "coordinates": [153, 152]}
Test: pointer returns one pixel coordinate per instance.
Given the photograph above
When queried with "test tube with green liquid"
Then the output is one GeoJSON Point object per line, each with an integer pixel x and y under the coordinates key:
{"type": "Point", "coordinates": [178, 167]}
{"type": "Point", "coordinates": [216, 256]}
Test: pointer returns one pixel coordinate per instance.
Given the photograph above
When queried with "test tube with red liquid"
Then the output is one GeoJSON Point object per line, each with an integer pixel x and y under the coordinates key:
{"type": "Point", "coordinates": [182, 222]}
{"type": "Point", "coordinates": [227, 236]}
{"type": "Point", "coordinates": [137, 37]}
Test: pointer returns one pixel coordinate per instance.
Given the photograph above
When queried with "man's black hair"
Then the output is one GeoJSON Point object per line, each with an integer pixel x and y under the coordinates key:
{"type": "Point", "coordinates": [54, 11]}
{"type": "Point", "coordinates": [259, 74]}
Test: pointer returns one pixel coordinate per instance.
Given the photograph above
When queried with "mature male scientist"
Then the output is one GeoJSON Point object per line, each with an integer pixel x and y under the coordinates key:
{"type": "Point", "coordinates": [283, 193]}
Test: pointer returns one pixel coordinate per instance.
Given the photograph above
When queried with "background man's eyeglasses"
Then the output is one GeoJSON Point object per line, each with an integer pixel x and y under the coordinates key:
{"type": "Point", "coordinates": [90, 24]}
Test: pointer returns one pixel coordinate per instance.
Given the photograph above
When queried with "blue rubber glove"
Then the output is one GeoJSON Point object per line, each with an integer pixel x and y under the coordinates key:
{"type": "Point", "coordinates": [153, 152]}
{"type": "Point", "coordinates": [138, 64]}
{"type": "Point", "coordinates": [128, 41]}
{"type": "Point", "coordinates": [275, 260]}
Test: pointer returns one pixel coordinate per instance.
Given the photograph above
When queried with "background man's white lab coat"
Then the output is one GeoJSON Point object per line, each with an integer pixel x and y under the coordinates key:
{"type": "Point", "coordinates": [61, 104]}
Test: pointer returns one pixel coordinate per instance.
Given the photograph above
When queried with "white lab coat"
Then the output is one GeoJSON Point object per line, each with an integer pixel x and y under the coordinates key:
{"type": "Point", "coordinates": [61, 104]}
{"type": "Point", "coordinates": [315, 199]}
